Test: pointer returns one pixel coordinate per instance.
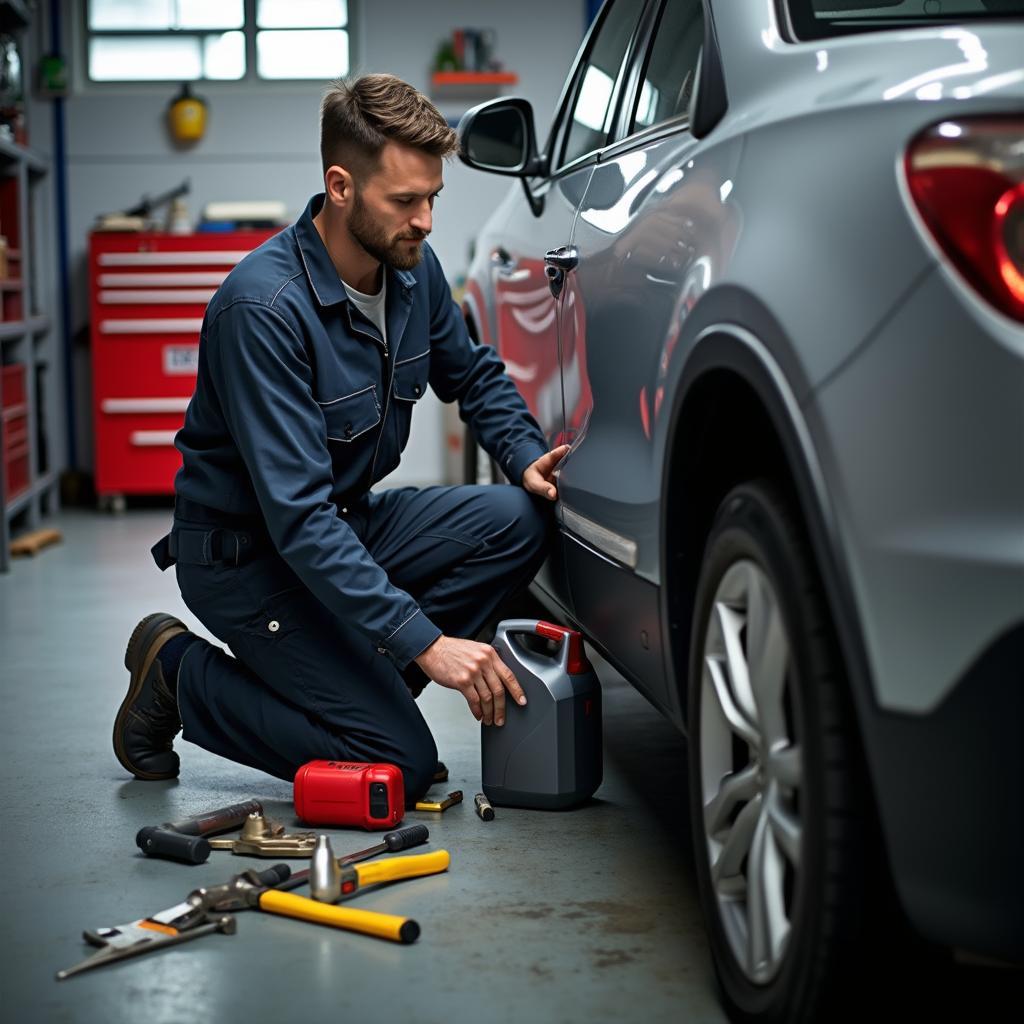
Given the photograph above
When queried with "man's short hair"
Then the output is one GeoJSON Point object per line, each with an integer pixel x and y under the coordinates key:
{"type": "Point", "coordinates": [358, 118]}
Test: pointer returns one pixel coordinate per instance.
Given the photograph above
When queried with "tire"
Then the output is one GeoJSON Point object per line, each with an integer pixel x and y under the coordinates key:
{"type": "Point", "coordinates": [775, 772]}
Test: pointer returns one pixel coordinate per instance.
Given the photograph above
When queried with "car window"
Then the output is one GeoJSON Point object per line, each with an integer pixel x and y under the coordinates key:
{"type": "Point", "coordinates": [592, 110]}
{"type": "Point", "coordinates": [671, 70]}
{"type": "Point", "coordinates": [817, 19]}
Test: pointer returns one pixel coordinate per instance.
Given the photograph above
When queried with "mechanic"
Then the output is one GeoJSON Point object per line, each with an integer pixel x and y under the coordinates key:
{"type": "Point", "coordinates": [339, 603]}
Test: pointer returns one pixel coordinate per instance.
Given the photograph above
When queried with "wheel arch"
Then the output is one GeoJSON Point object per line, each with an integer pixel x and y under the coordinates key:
{"type": "Point", "coordinates": [735, 417]}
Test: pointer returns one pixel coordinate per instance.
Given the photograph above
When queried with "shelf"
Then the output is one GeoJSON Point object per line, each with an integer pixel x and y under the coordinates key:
{"type": "Point", "coordinates": [11, 284]}
{"type": "Point", "coordinates": [13, 152]}
{"type": "Point", "coordinates": [11, 330]}
{"type": "Point", "coordinates": [38, 324]}
{"type": "Point", "coordinates": [474, 78]}
{"type": "Point", "coordinates": [21, 502]}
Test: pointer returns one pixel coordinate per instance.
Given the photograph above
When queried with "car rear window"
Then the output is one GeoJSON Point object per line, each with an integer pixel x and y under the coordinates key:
{"type": "Point", "coordinates": [816, 19]}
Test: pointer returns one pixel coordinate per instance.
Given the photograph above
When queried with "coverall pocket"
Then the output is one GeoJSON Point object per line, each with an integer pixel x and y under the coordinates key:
{"type": "Point", "coordinates": [349, 417]}
{"type": "Point", "coordinates": [411, 377]}
{"type": "Point", "coordinates": [278, 615]}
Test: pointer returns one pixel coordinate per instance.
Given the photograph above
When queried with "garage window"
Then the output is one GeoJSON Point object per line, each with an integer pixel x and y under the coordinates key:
{"type": "Point", "coordinates": [216, 40]}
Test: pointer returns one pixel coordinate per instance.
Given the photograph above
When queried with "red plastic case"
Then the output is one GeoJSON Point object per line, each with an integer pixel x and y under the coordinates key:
{"type": "Point", "coordinates": [370, 796]}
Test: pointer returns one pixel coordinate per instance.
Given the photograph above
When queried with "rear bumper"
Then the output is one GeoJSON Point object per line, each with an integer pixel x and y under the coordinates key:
{"type": "Point", "coordinates": [950, 790]}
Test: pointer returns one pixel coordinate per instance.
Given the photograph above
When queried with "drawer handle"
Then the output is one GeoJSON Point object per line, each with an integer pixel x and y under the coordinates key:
{"type": "Point", "coordinates": [121, 405]}
{"type": "Point", "coordinates": [212, 258]}
{"type": "Point", "coordinates": [154, 326]}
{"type": "Point", "coordinates": [153, 438]}
{"type": "Point", "coordinates": [158, 297]}
{"type": "Point", "coordinates": [180, 280]}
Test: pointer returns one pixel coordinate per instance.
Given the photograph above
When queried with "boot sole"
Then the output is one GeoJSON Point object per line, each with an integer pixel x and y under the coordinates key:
{"type": "Point", "coordinates": [145, 643]}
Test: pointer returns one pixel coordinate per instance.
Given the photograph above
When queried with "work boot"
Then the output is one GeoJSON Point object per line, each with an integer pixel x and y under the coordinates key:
{"type": "Point", "coordinates": [148, 718]}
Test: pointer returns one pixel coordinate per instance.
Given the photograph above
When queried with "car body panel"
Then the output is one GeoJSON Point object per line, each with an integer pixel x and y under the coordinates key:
{"type": "Point", "coordinates": [782, 247]}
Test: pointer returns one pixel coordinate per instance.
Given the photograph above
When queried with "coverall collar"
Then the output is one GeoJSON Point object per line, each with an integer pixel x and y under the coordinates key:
{"type": "Point", "coordinates": [323, 277]}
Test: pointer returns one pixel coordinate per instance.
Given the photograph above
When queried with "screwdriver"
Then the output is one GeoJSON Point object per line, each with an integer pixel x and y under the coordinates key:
{"type": "Point", "coordinates": [400, 839]}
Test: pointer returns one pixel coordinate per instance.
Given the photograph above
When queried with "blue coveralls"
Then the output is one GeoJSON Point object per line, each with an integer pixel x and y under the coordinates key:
{"type": "Point", "coordinates": [324, 590]}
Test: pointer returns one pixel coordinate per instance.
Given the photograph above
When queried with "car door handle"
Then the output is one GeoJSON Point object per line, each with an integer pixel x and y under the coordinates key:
{"type": "Point", "coordinates": [502, 259]}
{"type": "Point", "coordinates": [565, 257]}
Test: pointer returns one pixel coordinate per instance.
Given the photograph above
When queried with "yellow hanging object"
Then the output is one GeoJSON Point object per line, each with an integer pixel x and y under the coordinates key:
{"type": "Point", "coordinates": [187, 116]}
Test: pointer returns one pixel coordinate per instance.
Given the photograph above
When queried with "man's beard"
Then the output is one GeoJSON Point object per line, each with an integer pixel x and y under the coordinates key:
{"type": "Point", "coordinates": [392, 252]}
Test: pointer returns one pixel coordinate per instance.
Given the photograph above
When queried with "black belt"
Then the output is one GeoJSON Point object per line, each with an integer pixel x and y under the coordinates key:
{"type": "Point", "coordinates": [208, 536]}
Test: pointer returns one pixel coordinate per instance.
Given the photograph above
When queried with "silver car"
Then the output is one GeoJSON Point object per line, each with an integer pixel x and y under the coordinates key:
{"type": "Point", "coordinates": [766, 275]}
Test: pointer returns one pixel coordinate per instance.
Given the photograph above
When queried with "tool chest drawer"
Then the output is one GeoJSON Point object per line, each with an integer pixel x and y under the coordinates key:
{"type": "Point", "coordinates": [148, 295]}
{"type": "Point", "coordinates": [12, 385]}
{"type": "Point", "coordinates": [14, 453]}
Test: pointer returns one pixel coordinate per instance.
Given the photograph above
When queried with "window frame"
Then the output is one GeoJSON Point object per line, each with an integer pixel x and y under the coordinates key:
{"type": "Point", "coordinates": [627, 125]}
{"type": "Point", "coordinates": [85, 84]}
{"type": "Point", "coordinates": [558, 138]}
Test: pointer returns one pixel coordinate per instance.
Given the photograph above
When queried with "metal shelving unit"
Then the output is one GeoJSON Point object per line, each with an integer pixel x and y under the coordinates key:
{"type": "Point", "coordinates": [31, 340]}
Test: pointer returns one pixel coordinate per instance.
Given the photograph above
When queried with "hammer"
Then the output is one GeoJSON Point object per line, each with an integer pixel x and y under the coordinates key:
{"type": "Point", "coordinates": [185, 840]}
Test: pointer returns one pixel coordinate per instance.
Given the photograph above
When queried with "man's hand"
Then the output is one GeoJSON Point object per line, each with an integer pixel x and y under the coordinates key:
{"type": "Point", "coordinates": [476, 671]}
{"type": "Point", "coordinates": [538, 477]}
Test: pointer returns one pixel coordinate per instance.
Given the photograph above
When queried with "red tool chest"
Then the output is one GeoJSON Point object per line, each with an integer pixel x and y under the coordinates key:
{"type": "Point", "coordinates": [15, 432]}
{"type": "Point", "coordinates": [148, 293]}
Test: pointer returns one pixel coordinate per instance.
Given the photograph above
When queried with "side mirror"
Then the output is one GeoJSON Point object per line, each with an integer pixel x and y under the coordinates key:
{"type": "Point", "coordinates": [498, 136]}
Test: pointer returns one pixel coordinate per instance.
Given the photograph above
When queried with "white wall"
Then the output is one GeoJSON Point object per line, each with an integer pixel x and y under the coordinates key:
{"type": "Point", "coordinates": [262, 141]}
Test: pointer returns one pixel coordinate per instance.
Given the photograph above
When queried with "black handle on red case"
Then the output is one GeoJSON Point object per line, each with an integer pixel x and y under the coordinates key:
{"type": "Point", "coordinates": [164, 842]}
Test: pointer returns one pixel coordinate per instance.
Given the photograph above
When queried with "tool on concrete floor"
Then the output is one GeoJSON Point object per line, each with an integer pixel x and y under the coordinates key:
{"type": "Point", "coordinates": [351, 879]}
{"type": "Point", "coordinates": [247, 890]}
{"type": "Point", "coordinates": [202, 912]}
{"type": "Point", "coordinates": [264, 838]}
{"type": "Point", "coordinates": [400, 839]}
{"type": "Point", "coordinates": [370, 796]}
{"type": "Point", "coordinates": [185, 840]}
{"type": "Point", "coordinates": [205, 910]}
{"type": "Point", "coordinates": [547, 755]}
{"type": "Point", "coordinates": [135, 939]}
{"type": "Point", "coordinates": [454, 797]}
{"type": "Point", "coordinates": [324, 873]}
{"type": "Point", "coordinates": [484, 810]}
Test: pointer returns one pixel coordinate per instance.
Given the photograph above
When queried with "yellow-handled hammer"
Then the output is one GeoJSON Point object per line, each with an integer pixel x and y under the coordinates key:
{"type": "Point", "coordinates": [384, 926]}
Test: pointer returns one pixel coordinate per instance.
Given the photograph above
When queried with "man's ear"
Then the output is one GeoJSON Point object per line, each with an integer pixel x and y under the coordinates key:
{"type": "Point", "coordinates": [339, 186]}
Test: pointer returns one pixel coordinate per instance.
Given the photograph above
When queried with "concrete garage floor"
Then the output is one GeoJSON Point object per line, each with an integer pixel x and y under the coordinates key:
{"type": "Point", "coordinates": [589, 915]}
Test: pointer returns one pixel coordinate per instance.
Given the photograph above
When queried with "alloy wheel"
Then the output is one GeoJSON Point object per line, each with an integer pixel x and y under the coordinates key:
{"type": "Point", "coordinates": [751, 769]}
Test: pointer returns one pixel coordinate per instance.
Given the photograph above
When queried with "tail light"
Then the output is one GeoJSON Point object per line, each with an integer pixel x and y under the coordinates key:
{"type": "Point", "coordinates": [967, 180]}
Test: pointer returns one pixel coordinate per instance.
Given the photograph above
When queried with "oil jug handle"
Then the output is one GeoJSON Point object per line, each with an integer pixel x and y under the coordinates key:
{"type": "Point", "coordinates": [571, 656]}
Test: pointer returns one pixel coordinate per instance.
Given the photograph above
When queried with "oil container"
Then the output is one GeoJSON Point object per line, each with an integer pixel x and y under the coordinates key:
{"type": "Point", "coordinates": [547, 755]}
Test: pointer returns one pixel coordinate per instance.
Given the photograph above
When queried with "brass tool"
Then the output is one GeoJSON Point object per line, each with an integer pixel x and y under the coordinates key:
{"type": "Point", "coordinates": [454, 797]}
{"type": "Point", "coordinates": [264, 838]}
{"type": "Point", "coordinates": [484, 810]}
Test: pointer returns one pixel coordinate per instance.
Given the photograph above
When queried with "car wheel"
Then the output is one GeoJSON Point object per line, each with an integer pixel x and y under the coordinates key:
{"type": "Point", "coordinates": [477, 466]}
{"type": "Point", "coordinates": [776, 791]}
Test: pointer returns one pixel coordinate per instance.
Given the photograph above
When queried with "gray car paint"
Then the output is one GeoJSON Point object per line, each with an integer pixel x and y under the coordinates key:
{"type": "Point", "coordinates": [784, 243]}
{"type": "Point", "coordinates": [795, 200]}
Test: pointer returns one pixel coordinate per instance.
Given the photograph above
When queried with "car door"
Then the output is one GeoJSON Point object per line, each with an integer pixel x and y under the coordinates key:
{"type": "Point", "coordinates": [527, 301]}
{"type": "Point", "coordinates": [634, 241]}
